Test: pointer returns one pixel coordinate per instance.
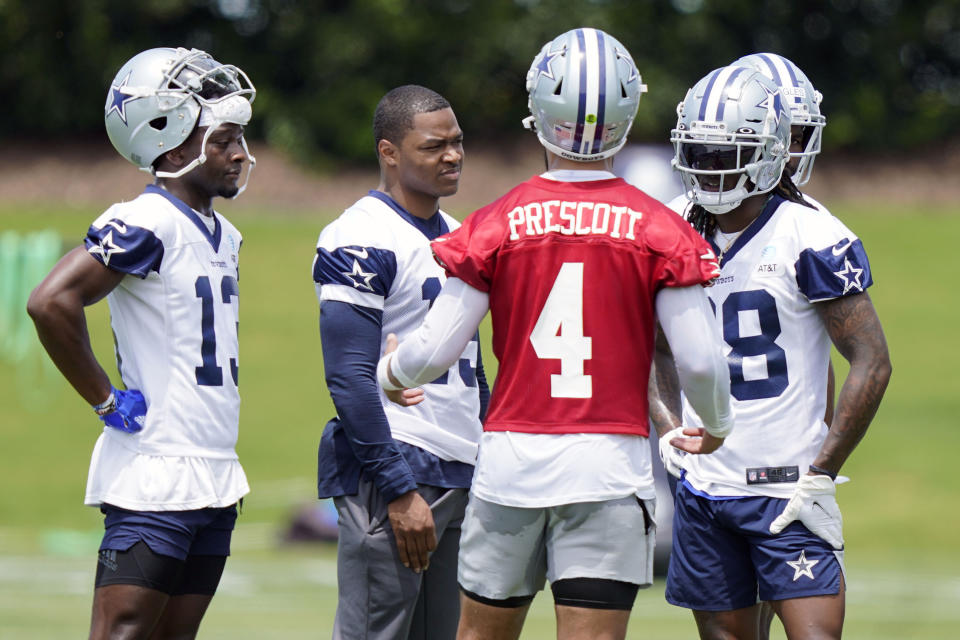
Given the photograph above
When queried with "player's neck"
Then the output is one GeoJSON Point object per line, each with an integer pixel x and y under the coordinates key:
{"type": "Point", "coordinates": [191, 196]}
{"type": "Point", "coordinates": [556, 163]}
{"type": "Point", "coordinates": [741, 217]}
{"type": "Point", "coordinates": [419, 204]}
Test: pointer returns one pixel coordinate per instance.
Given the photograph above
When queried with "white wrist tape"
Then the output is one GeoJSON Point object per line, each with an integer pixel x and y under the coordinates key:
{"type": "Point", "coordinates": [383, 368]}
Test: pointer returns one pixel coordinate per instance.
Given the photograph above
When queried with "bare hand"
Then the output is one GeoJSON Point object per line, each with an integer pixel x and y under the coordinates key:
{"type": "Point", "coordinates": [402, 397]}
{"type": "Point", "coordinates": [405, 397]}
{"type": "Point", "coordinates": [697, 441]}
{"type": "Point", "coordinates": [413, 528]}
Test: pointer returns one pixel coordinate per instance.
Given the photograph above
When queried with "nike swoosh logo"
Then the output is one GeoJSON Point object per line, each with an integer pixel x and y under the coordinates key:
{"type": "Point", "coordinates": [839, 251]}
{"type": "Point", "coordinates": [119, 226]}
{"type": "Point", "coordinates": [360, 254]}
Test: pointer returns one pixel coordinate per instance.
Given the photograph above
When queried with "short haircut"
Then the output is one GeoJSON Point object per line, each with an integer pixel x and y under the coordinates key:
{"type": "Point", "coordinates": [395, 111]}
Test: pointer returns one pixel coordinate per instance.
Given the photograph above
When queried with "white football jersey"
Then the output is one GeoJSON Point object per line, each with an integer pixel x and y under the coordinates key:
{"type": "Point", "coordinates": [376, 256]}
{"type": "Point", "coordinates": [776, 345]}
{"type": "Point", "coordinates": [174, 318]}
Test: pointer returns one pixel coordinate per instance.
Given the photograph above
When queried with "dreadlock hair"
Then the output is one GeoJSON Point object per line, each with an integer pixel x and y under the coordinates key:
{"type": "Point", "coordinates": [705, 223]}
{"type": "Point", "coordinates": [395, 111]}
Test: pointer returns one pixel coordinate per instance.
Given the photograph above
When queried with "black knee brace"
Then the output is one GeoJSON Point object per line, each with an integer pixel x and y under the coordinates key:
{"type": "Point", "coordinates": [594, 593]}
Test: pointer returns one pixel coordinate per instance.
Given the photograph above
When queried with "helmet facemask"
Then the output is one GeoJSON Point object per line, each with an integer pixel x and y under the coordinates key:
{"type": "Point", "coordinates": [731, 139]}
{"type": "Point", "coordinates": [803, 102]}
{"type": "Point", "coordinates": [225, 95]}
{"type": "Point", "coordinates": [812, 136]}
{"type": "Point", "coordinates": [718, 174]}
{"type": "Point", "coordinates": [161, 96]}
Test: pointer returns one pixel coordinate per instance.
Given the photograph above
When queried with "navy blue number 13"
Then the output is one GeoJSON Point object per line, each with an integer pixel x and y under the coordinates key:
{"type": "Point", "coordinates": [211, 374]}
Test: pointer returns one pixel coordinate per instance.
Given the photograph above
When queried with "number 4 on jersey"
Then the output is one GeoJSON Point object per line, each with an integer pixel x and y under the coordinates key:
{"type": "Point", "coordinates": [558, 334]}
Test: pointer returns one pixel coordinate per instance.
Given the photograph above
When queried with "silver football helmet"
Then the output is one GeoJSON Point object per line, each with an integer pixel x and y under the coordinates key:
{"type": "Point", "coordinates": [584, 90]}
{"type": "Point", "coordinates": [160, 95]}
{"type": "Point", "coordinates": [732, 138]}
{"type": "Point", "coordinates": [802, 100]}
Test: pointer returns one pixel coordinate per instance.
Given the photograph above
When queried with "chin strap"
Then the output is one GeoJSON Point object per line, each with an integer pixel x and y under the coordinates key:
{"type": "Point", "coordinates": [234, 109]}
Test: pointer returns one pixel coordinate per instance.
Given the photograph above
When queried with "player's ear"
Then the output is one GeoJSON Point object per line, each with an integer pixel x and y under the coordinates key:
{"type": "Point", "coordinates": [387, 151]}
{"type": "Point", "coordinates": [174, 158]}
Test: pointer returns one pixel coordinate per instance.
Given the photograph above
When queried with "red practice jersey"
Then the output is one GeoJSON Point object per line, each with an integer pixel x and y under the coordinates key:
{"type": "Point", "coordinates": [572, 270]}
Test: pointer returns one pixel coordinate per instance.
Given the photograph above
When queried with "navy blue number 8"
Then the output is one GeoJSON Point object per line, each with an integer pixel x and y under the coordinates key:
{"type": "Point", "coordinates": [468, 373]}
{"type": "Point", "coordinates": [211, 374]}
{"type": "Point", "coordinates": [758, 345]}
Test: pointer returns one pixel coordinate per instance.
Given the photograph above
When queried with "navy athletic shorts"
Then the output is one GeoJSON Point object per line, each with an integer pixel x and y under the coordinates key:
{"type": "Point", "coordinates": [724, 557]}
{"type": "Point", "coordinates": [178, 534]}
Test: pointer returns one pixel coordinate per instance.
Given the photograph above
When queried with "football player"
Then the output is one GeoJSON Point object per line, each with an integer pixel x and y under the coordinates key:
{"type": "Point", "coordinates": [574, 265]}
{"type": "Point", "coordinates": [164, 470]}
{"type": "Point", "coordinates": [806, 132]}
{"type": "Point", "coordinates": [759, 517]}
{"type": "Point", "coordinates": [398, 475]}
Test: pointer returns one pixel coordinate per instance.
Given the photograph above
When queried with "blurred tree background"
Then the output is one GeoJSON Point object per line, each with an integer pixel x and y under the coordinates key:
{"type": "Point", "coordinates": [889, 69]}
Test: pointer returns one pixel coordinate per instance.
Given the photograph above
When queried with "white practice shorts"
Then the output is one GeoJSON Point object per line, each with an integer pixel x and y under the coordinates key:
{"type": "Point", "coordinates": [507, 552]}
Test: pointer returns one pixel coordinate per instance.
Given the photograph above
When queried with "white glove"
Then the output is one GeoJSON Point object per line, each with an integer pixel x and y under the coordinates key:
{"type": "Point", "coordinates": [814, 504]}
{"type": "Point", "coordinates": [672, 457]}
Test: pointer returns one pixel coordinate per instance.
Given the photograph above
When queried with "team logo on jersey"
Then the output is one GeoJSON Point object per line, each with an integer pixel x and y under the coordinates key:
{"type": "Point", "coordinates": [118, 99]}
{"type": "Point", "coordinates": [106, 248]}
{"type": "Point", "coordinates": [802, 567]}
{"type": "Point", "coordinates": [359, 278]}
{"type": "Point", "coordinates": [850, 275]}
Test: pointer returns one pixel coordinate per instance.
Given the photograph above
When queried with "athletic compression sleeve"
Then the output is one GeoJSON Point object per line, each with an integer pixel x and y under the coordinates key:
{"type": "Point", "coordinates": [350, 336]}
{"type": "Point", "coordinates": [449, 325]}
{"type": "Point", "coordinates": [684, 314]}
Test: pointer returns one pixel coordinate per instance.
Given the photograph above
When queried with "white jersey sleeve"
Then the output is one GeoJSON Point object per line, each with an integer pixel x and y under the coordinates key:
{"type": "Point", "coordinates": [684, 315]}
{"type": "Point", "coordinates": [447, 328]}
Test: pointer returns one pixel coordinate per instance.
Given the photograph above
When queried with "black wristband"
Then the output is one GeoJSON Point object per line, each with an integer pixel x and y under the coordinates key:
{"type": "Point", "coordinates": [823, 471]}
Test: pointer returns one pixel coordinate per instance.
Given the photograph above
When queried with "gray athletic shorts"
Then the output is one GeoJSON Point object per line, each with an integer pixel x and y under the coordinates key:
{"type": "Point", "coordinates": [508, 552]}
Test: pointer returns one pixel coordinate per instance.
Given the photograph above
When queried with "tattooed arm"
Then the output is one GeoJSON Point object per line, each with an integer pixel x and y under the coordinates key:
{"type": "Point", "coordinates": [855, 330]}
{"type": "Point", "coordinates": [831, 394]}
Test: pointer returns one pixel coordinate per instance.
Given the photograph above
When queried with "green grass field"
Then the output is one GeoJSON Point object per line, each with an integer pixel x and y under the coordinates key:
{"type": "Point", "coordinates": [900, 509]}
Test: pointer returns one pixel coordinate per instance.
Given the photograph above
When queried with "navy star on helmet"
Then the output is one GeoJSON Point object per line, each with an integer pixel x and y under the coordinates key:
{"type": "Point", "coordinates": [802, 99]}
{"type": "Point", "coordinates": [774, 102]}
{"type": "Point", "coordinates": [735, 113]}
{"type": "Point", "coordinates": [584, 90]}
{"type": "Point", "coordinates": [118, 98]}
{"type": "Point", "coordinates": [161, 95]}
{"type": "Point", "coordinates": [543, 67]}
{"type": "Point", "coordinates": [634, 74]}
